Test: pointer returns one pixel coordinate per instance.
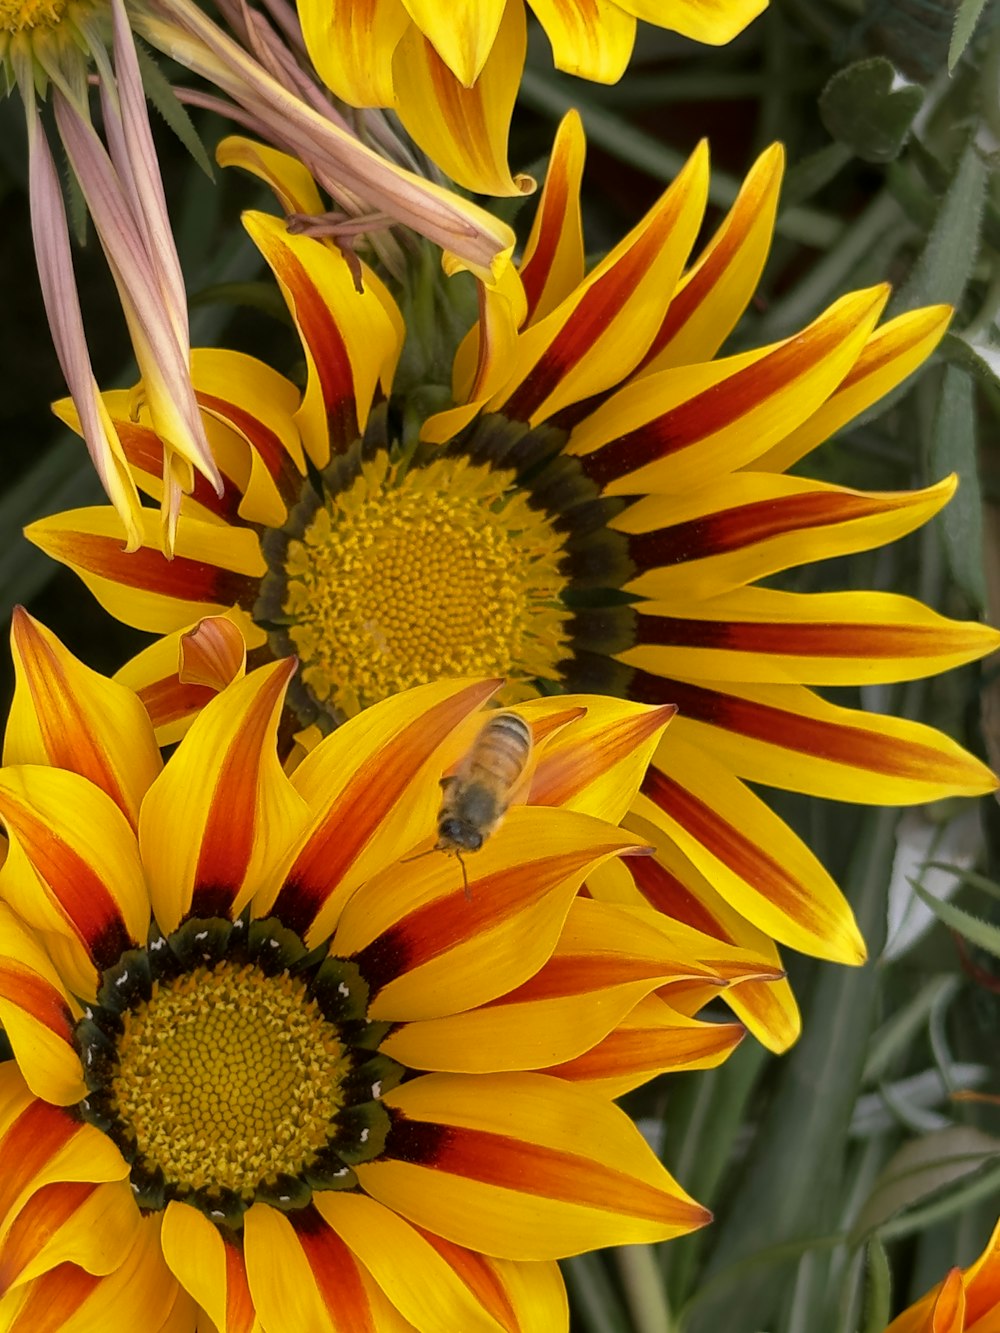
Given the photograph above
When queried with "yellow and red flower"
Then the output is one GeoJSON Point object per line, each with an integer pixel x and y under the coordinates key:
{"type": "Point", "coordinates": [272, 1068]}
{"type": "Point", "coordinates": [452, 72]}
{"type": "Point", "coordinates": [591, 516]}
{"type": "Point", "coordinates": [966, 1301]}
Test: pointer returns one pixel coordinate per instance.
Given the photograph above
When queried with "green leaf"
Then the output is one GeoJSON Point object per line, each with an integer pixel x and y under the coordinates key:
{"type": "Point", "coordinates": [981, 359]}
{"type": "Point", "coordinates": [921, 1168]}
{"type": "Point", "coordinates": [953, 449]}
{"type": "Point", "coordinates": [971, 927]}
{"type": "Point", "coordinates": [878, 1289]}
{"type": "Point", "coordinates": [947, 260]}
{"type": "Point", "coordinates": [965, 25]}
{"type": "Point", "coordinates": [163, 97]}
{"type": "Point", "coordinates": [869, 106]}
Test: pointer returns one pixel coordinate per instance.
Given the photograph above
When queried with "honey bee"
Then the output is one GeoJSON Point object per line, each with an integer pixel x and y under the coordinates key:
{"type": "Point", "coordinates": [476, 796]}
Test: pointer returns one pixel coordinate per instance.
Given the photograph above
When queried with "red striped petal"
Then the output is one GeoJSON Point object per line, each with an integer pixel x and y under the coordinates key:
{"type": "Point", "coordinates": [268, 446]}
{"type": "Point", "coordinates": [44, 1214]}
{"type": "Point", "coordinates": [35, 1136]}
{"type": "Point", "coordinates": [37, 997]}
{"type": "Point", "coordinates": [553, 262]}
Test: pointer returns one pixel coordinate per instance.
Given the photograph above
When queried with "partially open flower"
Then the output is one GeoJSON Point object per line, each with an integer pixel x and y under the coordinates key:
{"type": "Point", "coordinates": [270, 1065]}
{"type": "Point", "coordinates": [966, 1301]}
{"type": "Point", "coordinates": [591, 516]}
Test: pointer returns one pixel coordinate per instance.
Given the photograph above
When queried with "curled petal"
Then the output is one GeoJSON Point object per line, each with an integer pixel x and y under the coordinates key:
{"type": "Point", "coordinates": [69, 1222]}
{"type": "Point", "coordinates": [524, 1167]}
{"type": "Point", "coordinates": [348, 42]}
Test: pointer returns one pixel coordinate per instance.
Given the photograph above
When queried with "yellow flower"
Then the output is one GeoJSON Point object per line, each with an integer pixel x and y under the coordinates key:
{"type": "Point", "coordinates": [966, 1301]}
{"type": "Point", "coordinates": [452, 72]}
{"type": "Point", "coordinates": [592, 516]}
{"type": "Point", "coordinates": [272, 1064]}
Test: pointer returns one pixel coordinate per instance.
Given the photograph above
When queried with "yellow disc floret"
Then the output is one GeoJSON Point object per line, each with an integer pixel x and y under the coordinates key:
{"type": "Point", "coordinates": [413, 574]}
{"type": "Point", "coordinates": [228, 1077]}
{"type": "Point", "coordinates": [18, 15]}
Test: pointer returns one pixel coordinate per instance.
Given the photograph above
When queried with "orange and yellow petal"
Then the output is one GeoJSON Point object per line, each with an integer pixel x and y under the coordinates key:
{"type": "Point", "coordinates": [596, 763]}
{"type": "Point", "coordinates": [222, 811]}
{"type": "Point", "coordinates": [37, 1015]}
{"type": "Point", "coordinates": [751, 856]}
{"type": "Point", "coordinates": [303, 1276]}
{"type": "Point", "coordinates": [598, 334]}
{"type": "Point", "coordinates": [966, 1301]}
{"type": "Point", "coordinates": [171, 693]}
{"type": "Point", "coordinates": [668, 432]}
{"type": "Point", "coordinates": [715, 291]}
{"type": "Point", "coordinates": [788, 736]}
{"type": "Point", "coordinates": [553, 263]}
{"type": "Point", "coordinates": [214, 567]}
{"type": "Point", "coordinates": [767, 636]}
{"type": "Point", "coordinates": [69, 1222]}
{"type": "Point", "coordinates": [464, 125]}
{"type": "Point", "coordinates": [72, 869]}
{"type": "Point", "coordinates": [892, 353]}
{"type": "Point", "coordinates": [464, 35]}
{"type": "Point", "coordinates": [210, 1267]}
{"type": "Point", "coordinates": [668, 882]}
{"type": "Point", "coordinates": [371, 789]}
{"type": "Point", "coordinates": [436, 1291]}
{"type": "Point", "coordinates": [65, 715]}
{"type": "Point", "coordinates": [351, 344]}
{"type": "Point", "coordinates": [749, 524]}
{"type": "Point", "coordinates": [427, 949]}
{"type": "Point", "coordinates": [590, 38]}
{"type": "Point", "coordinates": [606, 960]}
{"type": "Point", "coordinates": [351, 44]}
{"type": "Point", "coordinates": [68, 1299]}
{"type": "Point", "coordinates": [707, 21]}
{"type": "Point", "coordinates": [651, 1039]}
{"type": "Point", "coordinates": [290, 179]}
{"type": "Point", "coordinates": [523, 1166]}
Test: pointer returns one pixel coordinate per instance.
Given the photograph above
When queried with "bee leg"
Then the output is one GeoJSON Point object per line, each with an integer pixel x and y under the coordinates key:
{"type": "Point", "coordinates": [465, 878]}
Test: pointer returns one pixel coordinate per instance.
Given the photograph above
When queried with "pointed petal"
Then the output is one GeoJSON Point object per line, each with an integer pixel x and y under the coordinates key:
{"type": "Point", "coordinates": [523, 1166]}
{"type": "Point", "coordinates": [423, 1286]}
{"type": "Point", "coordinates": [351, 43]}
{"type": "Point", "coordinates": [606, 959]}
{"type": "Point", "coordinates": [891, 354]}
{"type": "Point", "coordinates": [787, 736]}
{"type": "Point", "coordinates": [72, 867]}
{"type": "Point", "coordinates": [222, 810]}
{"type": "Point", "coordinates": [69, 1300]}
{"type": "Point", "coordinates": [593, 39]}
{"type": "Point", "coordinates": [208, 1266]}
{"type": "Point", "coordinates": [754, 859]}
{"type": "Point", "coordinates": [713, 294]}
{"type": "Point", "coordinates": [426, 949]}
{"type": "Point", "coordinates": [667, 432]}
{"type": "Point", "coordinates": [76, 1222]}
{"type": "Point", "coordinates": [751, 524]}
{"type": "Point", "coordinates": [595, 337]}
{"type": "Point", "coordinates": [66, 716]}
{"type": "Point", "coordinates": [595, 765]}
{"type": "Point", "coordinates": [350, 343]}
{"type": "Point", "coordinates": [155, 676]}
{"type": "Point", "coordinates": [553, 262]}
{"type": "Point", "coordinates": [702, 20]}
{"type": "Point", "coordinates": [290, 180]}
{"type": "Point", "coordinates": [652, 1039]}
{"type": "Point", "coordinates": [670, 883]}
{"type": "Point", "coordinates": [37, 1016]}
{"type": "Point", "coordinates": [371, 788]}
{"type": "Point", "coordinates": [212, 569]}
{"type": "Point", "coordinates": [463, 37]}
{"type": "Point", "coordinates": [835, 638]}
{"type": "Point", "coordinates": [303, 1276]}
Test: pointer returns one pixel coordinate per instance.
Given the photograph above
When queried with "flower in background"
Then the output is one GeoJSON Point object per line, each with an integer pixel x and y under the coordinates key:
{"type": "Point", "coordinates": [966, 1301]}
{"type": "Point", "coordinates": [48, 48]}
{"type": "Point", "coordinates": [592, 517]}
{"type": "Point", "coordinates": [452, 72]}
{"type": "Point", "coordinates": [268, 1065]}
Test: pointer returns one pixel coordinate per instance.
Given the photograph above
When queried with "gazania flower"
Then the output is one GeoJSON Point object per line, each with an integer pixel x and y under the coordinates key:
{"type": "Point", "coordinates": [268, 1066]}
{"type": "Point", "coordinates": [592, 516]}
{"type": "Point", "coordinates": [452, 72]}
{"type": "Point", "coordinates": [967, 1301]}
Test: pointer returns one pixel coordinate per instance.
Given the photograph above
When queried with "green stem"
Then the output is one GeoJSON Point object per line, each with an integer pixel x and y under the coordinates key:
{"type": "Point", "coordinates": [647, 1300]}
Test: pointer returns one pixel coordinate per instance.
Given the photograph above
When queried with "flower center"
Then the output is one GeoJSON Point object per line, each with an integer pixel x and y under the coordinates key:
{"type": "Point", "coordinates": [16, 15]}
{"type": "Point", "coordinates": [414, 573]}
{"type": "Point", "coordinates": [231, 1066]}
{"type": "Point", "coordinates": [228, 1076]}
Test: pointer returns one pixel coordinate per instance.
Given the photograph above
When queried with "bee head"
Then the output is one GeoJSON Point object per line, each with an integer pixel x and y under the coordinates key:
{"type": "Point", "coordinates": [458, 835]}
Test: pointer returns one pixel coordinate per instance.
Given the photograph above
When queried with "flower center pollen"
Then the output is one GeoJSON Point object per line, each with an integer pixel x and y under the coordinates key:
{"type": "Point", "coordinates": [16, 15]}
{"type": "Point", "coordinates": [228, 1077]}
{"type": "Point", "coordinates": [411, 574]}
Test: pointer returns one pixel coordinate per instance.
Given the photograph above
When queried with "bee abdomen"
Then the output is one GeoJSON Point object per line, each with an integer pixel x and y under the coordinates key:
{"type": "Point", "coordinates": [504, 747]}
